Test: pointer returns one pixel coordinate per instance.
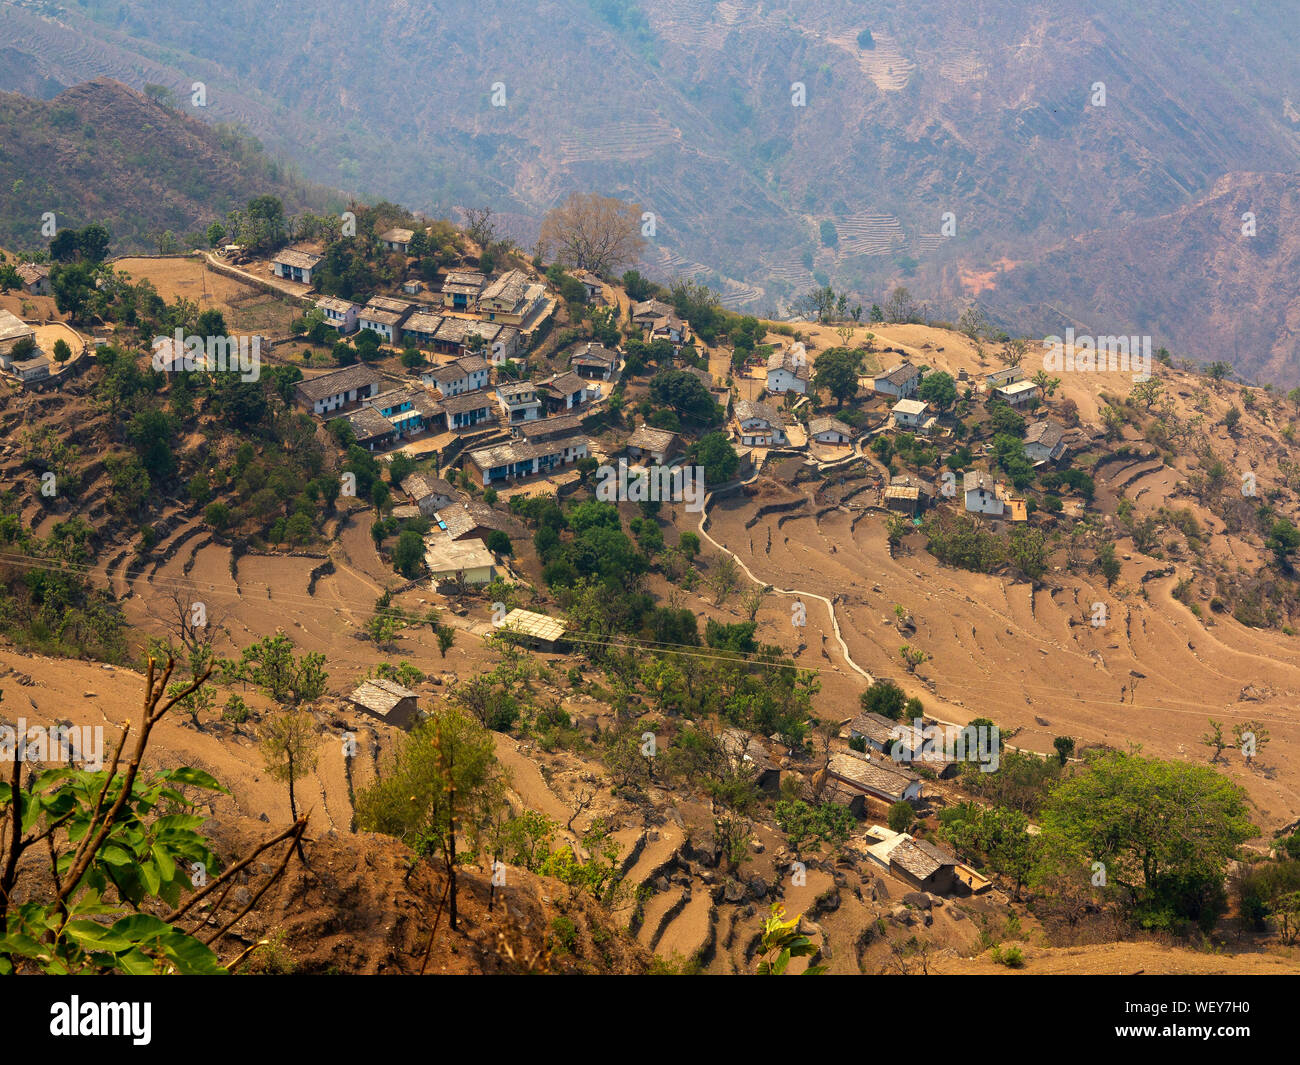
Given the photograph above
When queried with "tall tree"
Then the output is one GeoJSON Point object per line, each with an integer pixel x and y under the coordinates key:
{"type": "Point", "coordinates": [444, 787]}
{"type": "Point", "coordinates": [593, 232]}
{"type": "Point", "coordinates": [289, 752]}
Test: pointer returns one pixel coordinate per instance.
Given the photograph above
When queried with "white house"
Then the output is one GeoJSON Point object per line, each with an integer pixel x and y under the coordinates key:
{"type": "Point", "coordinates": [1018, 393]}
{"type": "Point", "coordinates": [293, 264]}
{"type": "Point", "coordinates": [428, 493]}
{"type": "Point", "coordinates": [1005, 376]}
{"type": "Point", "coordinates": [385, 316]}
{"type": "Point", "coordinates": [339, 313]}
{"type": "Point", "coordinates": [396, 239]}
{"type": "Point", "coordinates": [13, 330]}
{"type": "Point", "coordinates": [35, 278]}
{"type": "Point", "coordinates": [787, 370]}
{"type": "Point", "coordinates": [461, 375]}
{"type": "Point", "coordinates": [830, 431]}
{"type": "Point", "coordinates": [876, 776]}
{"type": "Point", "coordinates": [902, 381]}
{"type": "Point", "coordinates": [981, 494]}
{"type": "Point", "coordinates": [656, 446]}
{"type": "Point", "coordinates": [458, 561]}
{"type": "Point", "coordinates": [1045, 442]}
{"type": "Point", "coordinates": [339, 388]}
{"type": "Point", "coordinates": [910, 413]}
{"type": "Point", "coordinates": [519, 401]}
{"type": "Point", "coordinates": [758, 424]}
{"type": "Point", "coordinates": [33, 369]}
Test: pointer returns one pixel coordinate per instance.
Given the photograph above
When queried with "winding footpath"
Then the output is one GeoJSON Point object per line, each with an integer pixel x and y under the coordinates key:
{"type": "Point", "coordinates": [830, 609]}
{"type": "Point", "coordinates": [795, 592]}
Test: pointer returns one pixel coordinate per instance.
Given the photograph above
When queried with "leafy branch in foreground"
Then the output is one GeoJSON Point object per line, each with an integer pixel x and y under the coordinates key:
{"type": "Point", "coordinates": [782, 941]}
{"type": "Point", "coordinates": [116, 843]}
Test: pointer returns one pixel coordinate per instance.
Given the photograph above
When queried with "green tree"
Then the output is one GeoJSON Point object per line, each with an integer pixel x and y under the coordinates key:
{"type": "Point", "coordinates": [408, 554]}
{"type": "Point", "coordinates": [288, 748]}
{"type": "Point", "coordinates": [718, 458]}
{"type": "Point", "coordinates": [1108, 563]}
{"type": "Point", "coordinates": [1165, 832]}
{"type": "Point", "coordinates": [836, 371]}
{"type": "Point", "coordinates": [781, 941]}
{"type": "Point", "coordinates": [1283, 540]}
{"type": "Point", "coordinates": [885, 698]}
{"type": "Point", "coordinates": [939, 390]}
{"type": "Point", "coordinates": [901, 816]}
{"type": "Point", "coordinates": [442, 790]}
{"type": "Point", "coordinates": [271, 665]}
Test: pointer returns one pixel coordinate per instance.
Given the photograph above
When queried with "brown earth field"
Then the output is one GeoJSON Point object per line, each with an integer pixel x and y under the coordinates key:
{"type": "Point", "coordinates": [188, 277]}
{"type": "Point", "coordinates": [1027, 656]}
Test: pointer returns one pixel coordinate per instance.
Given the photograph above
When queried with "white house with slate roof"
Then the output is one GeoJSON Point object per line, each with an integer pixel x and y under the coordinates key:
{"type": "Point", "coordinates": [902, 381]}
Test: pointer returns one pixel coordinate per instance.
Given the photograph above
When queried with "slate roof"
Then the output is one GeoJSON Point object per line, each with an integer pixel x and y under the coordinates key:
{"type": "Point", "coordinates": [648, 438]}
{"type": "Point", "coordinates": [746, 409]}
{"type": "Point", "coordinates": [381, 696]}
{"type": "Point", "coordinates": [336, 382]}
{"type": "Point", "coordinates": [900, 374]}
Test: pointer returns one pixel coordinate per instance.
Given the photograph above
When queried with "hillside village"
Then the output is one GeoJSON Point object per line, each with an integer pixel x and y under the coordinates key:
{"type": "Point", "coordinates": [441, 434]}
{"type": "Point", "coordinates": [478, 422]}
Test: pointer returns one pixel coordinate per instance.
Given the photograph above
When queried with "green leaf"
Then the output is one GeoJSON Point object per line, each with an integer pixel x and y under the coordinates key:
{"type": "Point", "coordinates": [166, 866]}
{"type": "Point", "coordinates": [191, 957]}
{"type": "Point", "coordinates": [149, 874]}
{"type": "Point", "coordinates": [137, 927]}
{"type": "Point", "coordinates": [93, 936]}
{"type": "Point", "coordinates": [196, 777]}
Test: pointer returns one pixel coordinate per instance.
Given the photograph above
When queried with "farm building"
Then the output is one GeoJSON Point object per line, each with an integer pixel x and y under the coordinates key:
{"type": "Point", "coordinates": [461, 288]}
{"type": "Point", "coordinates": [396, 239]}
{"type": "Point", "coordinates": [875, 776]}
{"type": "Point", "coordinates": [1045, 442]}
{"type": "Point", "coordinates": [787, 370]}
{"type": "Point", "coordinates": [338, 388]}
{"type": "Point", "coordinates": [656, 446]}
{"type": "Point", "coordinates": [595, 362]}
{"type": "Point", "coordinates": [464, 562]}
{"type": "Point", "coordinates": [910, 413]}
{"type": "Point", "coordinates": [902, 381]}
{"type": "Point", "coordinates": [340, 314]}
{"type": "Point", "coordinates": [923, 865]}
{"type": "Point", "coordinates": [1018, 393]}
{"type": "Point", "coordinates": [981, 494]}
{"type": "Point", "coordinates": [388, 701]}
{"type": "Point", "coordinates": [830, 431]}
{"type": "Point", "coordinates": [535, 630]}
{"type": "Point", "coordinates": [293, 264]}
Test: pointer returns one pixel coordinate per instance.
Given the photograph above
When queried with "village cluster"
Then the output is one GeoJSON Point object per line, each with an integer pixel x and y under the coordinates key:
{"type": "Point", "coordinates": [23, 346]}
{"type": "Point", "coordinates": [469, 410]}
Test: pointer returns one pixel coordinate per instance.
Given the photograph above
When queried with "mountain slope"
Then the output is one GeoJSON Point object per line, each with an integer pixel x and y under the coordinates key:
{"type": "Point", "coordinates": [686, 107]}
{"type": "Point", "coordinates": [101, 152]}
{"type": "Point", "coordinates": [1192, 276]}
